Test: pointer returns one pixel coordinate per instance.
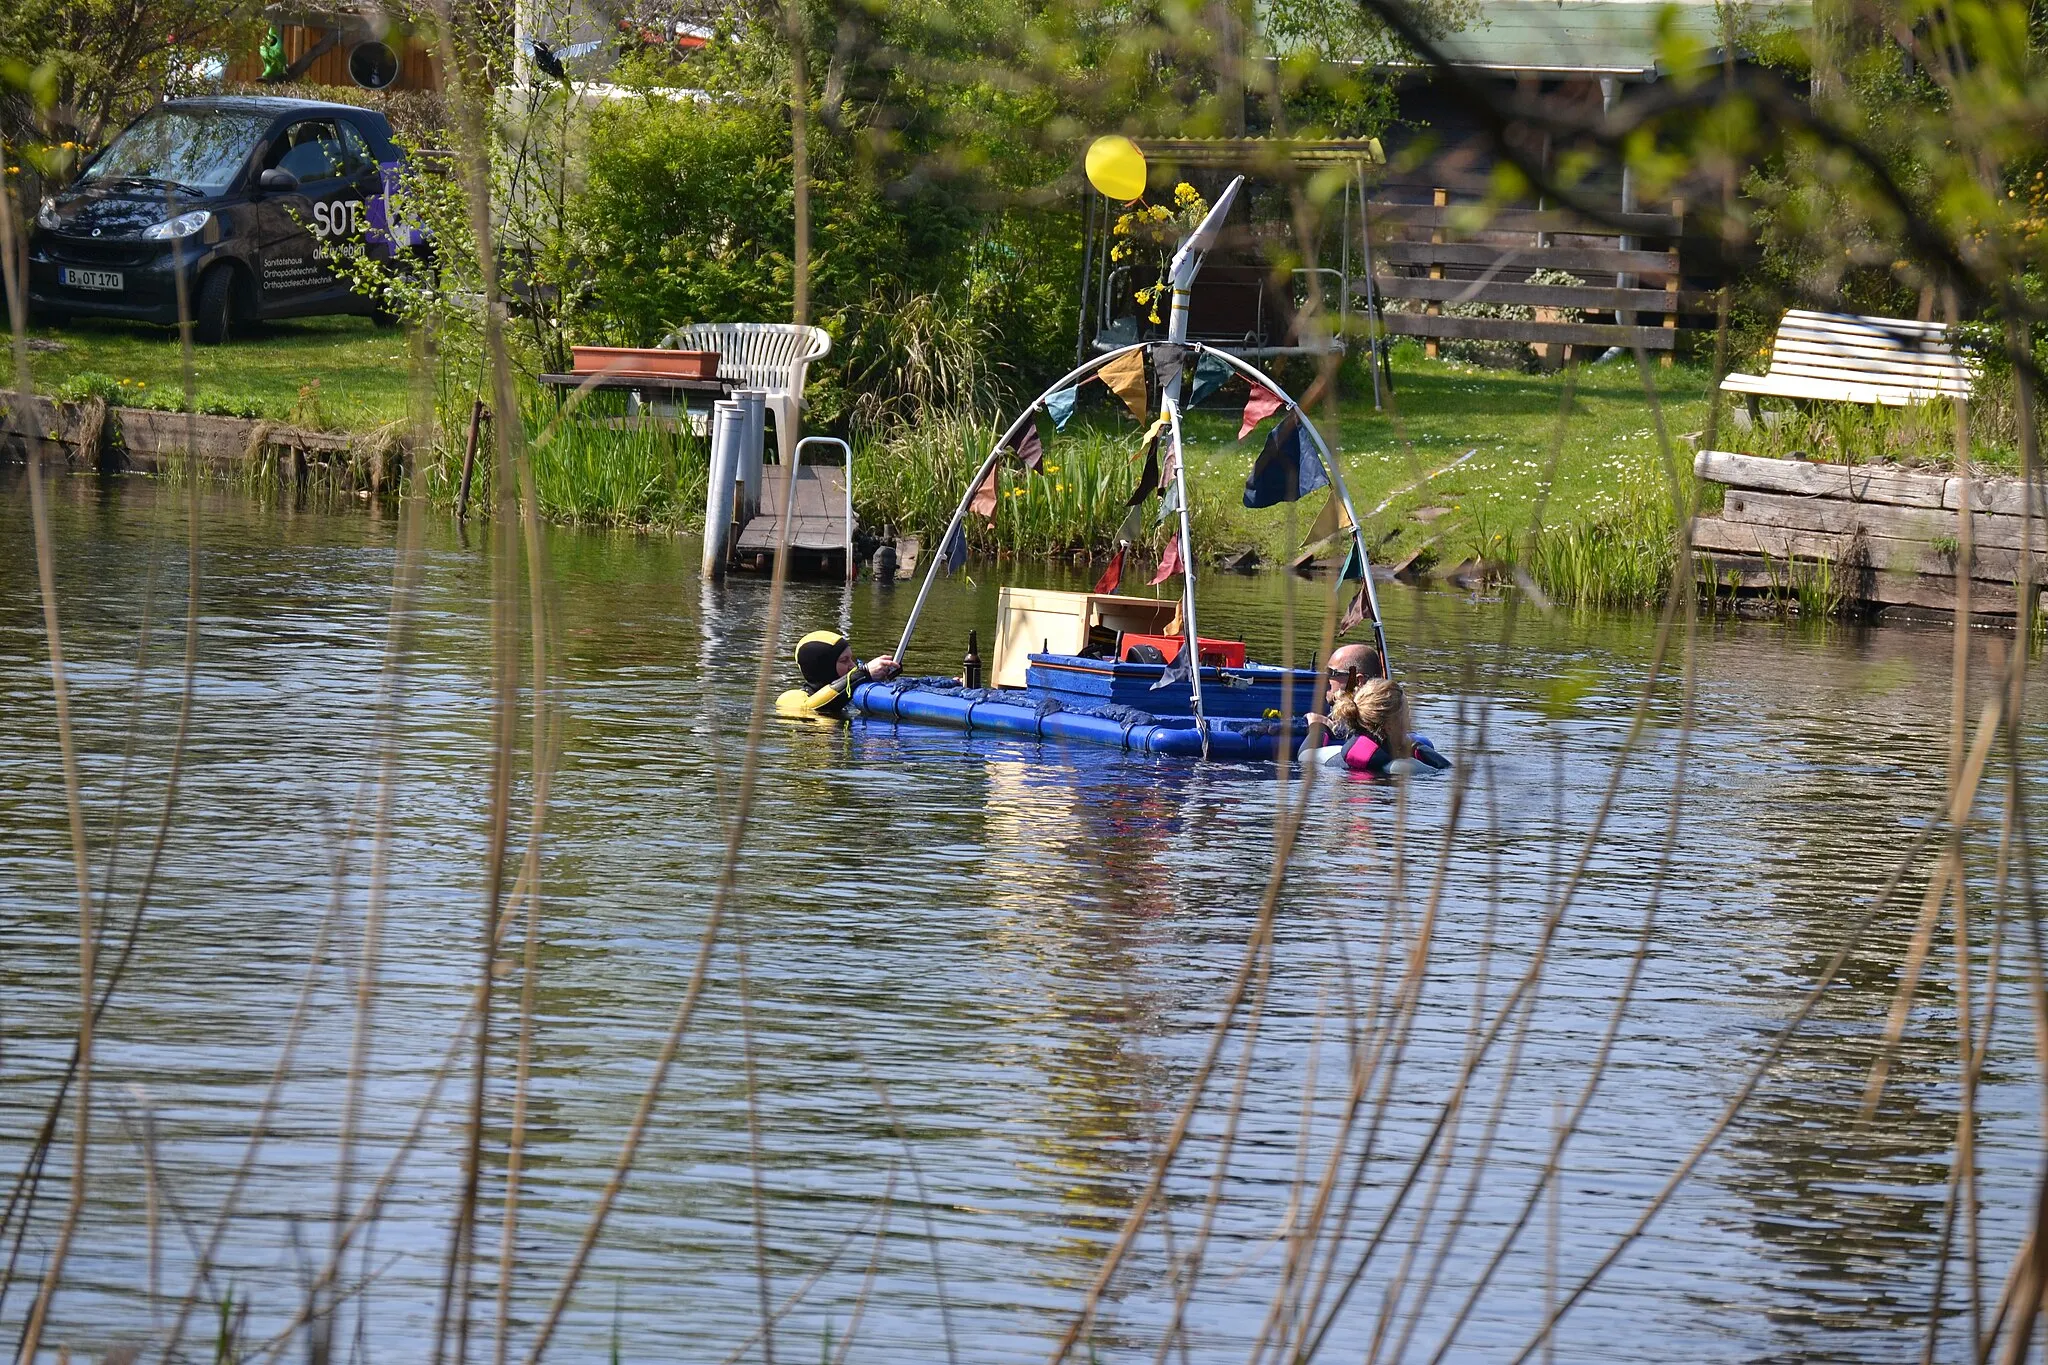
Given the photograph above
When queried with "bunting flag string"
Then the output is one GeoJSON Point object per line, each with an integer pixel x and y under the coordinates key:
{"type": "Point", "coordinates": [1113, 576]}
{"type": "Point", "coordinates": [1354, 615]}
{"type": "Point", "coordinates": [1060, 406]}
{"type": "Point", "coordinates": [1026, 446]}
{"type": "Point", "coordinates": [1331, 520]}
{"type": "Point", "coordinates": [1169, 563]}
{"type": "Point", "coordinates": [1125, 377]}
{"type": "Point", "coordinates": [1262, 404]}
{"type": "Point", "coordinates": [984, 502]}
{"type": "Point", "coordinates": [1210, 373]}
{"type": "Point", "coordinates": [954, 552]}
{"type": "Point", "coordinates": [1287, 467]}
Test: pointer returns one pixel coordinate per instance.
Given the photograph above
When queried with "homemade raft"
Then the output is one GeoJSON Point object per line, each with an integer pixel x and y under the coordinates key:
{"type": "Point", "coordinates": [1134, 673]}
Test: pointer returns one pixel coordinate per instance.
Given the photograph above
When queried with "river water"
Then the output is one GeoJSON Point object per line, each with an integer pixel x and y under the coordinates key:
{"type": "Point", "coordinates": [981, 974]}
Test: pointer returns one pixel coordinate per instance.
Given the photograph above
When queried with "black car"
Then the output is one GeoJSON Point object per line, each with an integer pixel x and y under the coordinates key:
{"type": "Point", "coordinates": [236, 194]}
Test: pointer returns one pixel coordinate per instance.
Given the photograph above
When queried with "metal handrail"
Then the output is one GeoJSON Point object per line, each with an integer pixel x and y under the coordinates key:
{"type": "Point", "coordinates": [796, 467]}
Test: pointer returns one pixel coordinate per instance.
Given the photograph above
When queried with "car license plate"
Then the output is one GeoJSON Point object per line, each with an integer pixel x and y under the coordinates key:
{"type": "Point", "coordinates": [92, 279]}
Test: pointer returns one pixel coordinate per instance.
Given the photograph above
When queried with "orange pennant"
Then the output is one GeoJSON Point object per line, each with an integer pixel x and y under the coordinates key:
{"type": "Point", "coordinates": [1125, 377]}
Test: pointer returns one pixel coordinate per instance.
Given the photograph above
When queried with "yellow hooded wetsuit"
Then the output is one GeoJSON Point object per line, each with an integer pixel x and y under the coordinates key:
{"type": "Point", "coordinates": [825, 692]}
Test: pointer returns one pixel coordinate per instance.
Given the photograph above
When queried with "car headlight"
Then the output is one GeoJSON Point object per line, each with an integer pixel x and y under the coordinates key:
{"type": "Point", "coordinates": [46, 216]}
{"type": "Point", "coordinates": [184, 225]}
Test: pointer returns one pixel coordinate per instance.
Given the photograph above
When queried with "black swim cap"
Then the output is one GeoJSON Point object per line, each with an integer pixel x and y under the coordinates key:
{"type": "Point", "coordinates": [817, 657]}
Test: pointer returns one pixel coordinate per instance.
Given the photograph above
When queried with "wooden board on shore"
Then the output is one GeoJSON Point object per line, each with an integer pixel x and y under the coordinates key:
{"type": "Point", "coordinates": [1896, 533]}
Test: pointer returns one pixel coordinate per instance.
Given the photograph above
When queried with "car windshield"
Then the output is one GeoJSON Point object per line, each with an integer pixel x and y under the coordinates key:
{"type": "Point", "coordinates": [194, 150]}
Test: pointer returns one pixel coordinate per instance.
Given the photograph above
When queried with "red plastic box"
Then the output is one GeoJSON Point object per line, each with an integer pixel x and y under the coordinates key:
{"type": "Point", "coordinates": [1215, 653]}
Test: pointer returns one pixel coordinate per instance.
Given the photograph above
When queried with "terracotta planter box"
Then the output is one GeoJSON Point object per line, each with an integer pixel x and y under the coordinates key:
{"type": "Point", "coordinates": [645, 361]}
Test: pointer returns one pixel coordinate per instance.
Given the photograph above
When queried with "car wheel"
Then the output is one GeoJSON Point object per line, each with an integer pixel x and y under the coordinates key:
{"type": "Point", "coordinates": [214, 311]}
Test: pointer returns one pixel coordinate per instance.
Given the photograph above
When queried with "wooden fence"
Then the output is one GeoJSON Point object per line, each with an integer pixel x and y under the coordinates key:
{"type": "Point", "coordinates": [1442, 254]}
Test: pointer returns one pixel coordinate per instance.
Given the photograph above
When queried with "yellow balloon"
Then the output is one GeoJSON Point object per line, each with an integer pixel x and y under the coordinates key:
{"type": "Point", "coordinates": [1117, 168]}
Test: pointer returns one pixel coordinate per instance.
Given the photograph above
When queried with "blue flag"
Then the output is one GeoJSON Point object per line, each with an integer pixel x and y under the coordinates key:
{"type": "Point", "coordinates": [1060, 406]}
{"type": "Point", "coordinates": [1288, 466]}
{"type": "Point", "coordinates": [1210, 373]}
{"type": "Point", "coordinates": [955, 551]}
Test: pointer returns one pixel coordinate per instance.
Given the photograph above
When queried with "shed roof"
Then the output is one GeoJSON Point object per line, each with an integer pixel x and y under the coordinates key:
{"type": "Point", "coordinates": [1598, 37]}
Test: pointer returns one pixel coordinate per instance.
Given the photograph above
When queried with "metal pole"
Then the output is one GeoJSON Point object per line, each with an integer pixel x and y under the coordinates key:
{"type": "Point", "coordinates": [1087, 267]}
{"type": "Point", "coordinates": [748, 470]}
{"type": "Point", "coordinates": [1372, 312]}
{"type": "Point", "coordinates": [728, 426]}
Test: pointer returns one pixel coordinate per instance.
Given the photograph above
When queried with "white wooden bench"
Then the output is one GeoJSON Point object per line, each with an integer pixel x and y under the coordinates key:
{"type": "Point", "coordinates": [1843, 358]}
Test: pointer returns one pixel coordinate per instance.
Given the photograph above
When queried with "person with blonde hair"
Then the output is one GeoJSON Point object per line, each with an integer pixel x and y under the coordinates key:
{"type": "Point", "coordinates": [1385, 731]}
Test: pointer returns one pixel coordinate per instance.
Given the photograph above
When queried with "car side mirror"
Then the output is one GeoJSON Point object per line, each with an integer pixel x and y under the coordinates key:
{"type": "Point", "coordinates": [277, 181]}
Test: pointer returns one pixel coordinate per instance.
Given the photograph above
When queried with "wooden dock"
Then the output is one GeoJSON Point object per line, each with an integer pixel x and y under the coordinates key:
{"type": "Point", "coordinates": [821, 522]}
{"type": "Point", "coordinates": [1890, 537]}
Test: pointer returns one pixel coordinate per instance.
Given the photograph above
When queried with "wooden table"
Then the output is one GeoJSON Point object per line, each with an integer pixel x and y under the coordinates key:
{"type": "Point", "coordinates": [646, 387]}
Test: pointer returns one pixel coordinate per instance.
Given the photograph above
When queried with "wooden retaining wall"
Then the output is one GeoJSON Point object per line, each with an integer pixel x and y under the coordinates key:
{"type": "Point", "coordinates": [145, 441]}
{"type": "Point", "coordinates": [1896, 534]}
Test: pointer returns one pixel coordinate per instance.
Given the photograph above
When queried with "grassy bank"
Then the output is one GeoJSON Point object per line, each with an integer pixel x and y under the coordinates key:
{"type": "Point", "coordinates": [1607, 518]}
{"type": "Point", "coordinates": [337, 374]}
{"type": "Point", "coordinates": [1607, 514]}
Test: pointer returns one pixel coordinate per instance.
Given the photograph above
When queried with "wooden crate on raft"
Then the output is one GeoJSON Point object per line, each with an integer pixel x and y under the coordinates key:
{"type": "Point", "coordinates": [1442, 255]}
{"type": "Point", "coordinates": [1889, 537]}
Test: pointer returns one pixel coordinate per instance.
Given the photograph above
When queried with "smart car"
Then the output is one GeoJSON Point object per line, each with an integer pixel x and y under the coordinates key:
{"type": "Point", "coordinates": [222, 207]}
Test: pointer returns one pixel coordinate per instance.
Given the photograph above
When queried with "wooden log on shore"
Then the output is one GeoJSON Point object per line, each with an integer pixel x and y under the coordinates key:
{"type": "Point", "coordinates": [1919, 592]}
{"type": "Point", "coordinates": [1831, 516]}
{"type": "Point", "coordinates": [1888, 536]}
{"type": "Point", "coordinates": [1855, 483]}
{"type": "Point", "coordinates": [144, 440]}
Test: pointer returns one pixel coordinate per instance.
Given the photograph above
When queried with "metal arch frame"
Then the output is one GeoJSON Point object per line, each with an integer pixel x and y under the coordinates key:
{"type": "Point", "coordinates": [1067, 381]}
{"type": "Point", "coordinates": [1332, 472]}
{"type": "Point", "coordinates": [1080, 373]}
{"type": "Point", "coordinates": [796, 465]}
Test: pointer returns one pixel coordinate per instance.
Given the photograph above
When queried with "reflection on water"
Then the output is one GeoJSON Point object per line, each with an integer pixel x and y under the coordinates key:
{"type": "Point", "coordinates": [982, 972]}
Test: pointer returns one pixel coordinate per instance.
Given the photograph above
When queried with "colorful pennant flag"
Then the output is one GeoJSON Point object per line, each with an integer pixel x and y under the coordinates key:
{"type": "Point", "coordinates": [1026, 446]}
{"type": "Point", "coordinates": [984, 501]}
{"type": "Point", "coordinates": [1148, 480]}
{"type": "Point", "coordinates": [1332, 519]}
{"type": "Point", "coordinates": [1168, 359]}
{"type": "Point", "coordinates": [1210, 372]}
{"type": "Point", "coordinates": [1169, 563]}
{"type": "Point", "coordinates": [1125, 377]}
{"type": "Point", "coordinates": [1354, 615]}
{"type": "Point", "coordinates": [1287, 467]}
{"type": "Point", "coordinates": [1179, 670]}
{"type": "Point", "coordinates": [1262, 404]}
{"type": "Point", "coordinates": [1134, 523]}
{"type": "Point", "coordinates": [1061, 406]}
{"type": "Point", "coordinates": [955, 551]}
{"type": "Point", "coordinates": [1113, 576]}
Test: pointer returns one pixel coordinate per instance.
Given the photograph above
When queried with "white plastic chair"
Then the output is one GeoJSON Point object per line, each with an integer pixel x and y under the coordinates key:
{"type": "Point", "coordinates": [769, 356]}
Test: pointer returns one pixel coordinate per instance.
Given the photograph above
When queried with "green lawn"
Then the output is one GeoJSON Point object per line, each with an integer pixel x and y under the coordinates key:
{"type": "Point", "coordinates": [362, 370]}
{"type": "Point", "coordinates": [1608, 465]}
